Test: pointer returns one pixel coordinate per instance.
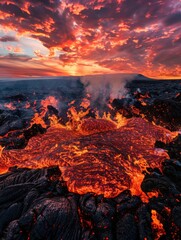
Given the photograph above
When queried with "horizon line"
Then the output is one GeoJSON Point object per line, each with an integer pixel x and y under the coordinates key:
{"type": "Point", "coordinates": [99, 74]}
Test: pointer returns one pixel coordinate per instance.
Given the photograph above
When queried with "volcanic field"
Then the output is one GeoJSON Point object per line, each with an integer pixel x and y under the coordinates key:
{"type": "Point", "coordinates": [83, 163]}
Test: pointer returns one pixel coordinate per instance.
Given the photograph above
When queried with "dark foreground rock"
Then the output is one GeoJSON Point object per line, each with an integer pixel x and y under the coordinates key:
{"type": "Point", "coordinates": [19, 139]}
{"type": "Point", "coordinates": [173, 148]}
{"type": "Point", "coordinates": [36, 204]}
{"type": "Point", "coordinates": [164, 112]}
{"type": "Point", "coordinates": [157, 101]}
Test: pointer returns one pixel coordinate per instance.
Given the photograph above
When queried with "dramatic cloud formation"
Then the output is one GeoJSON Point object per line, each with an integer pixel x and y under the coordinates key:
{"type": "Point", "coordinates": [75, 37]}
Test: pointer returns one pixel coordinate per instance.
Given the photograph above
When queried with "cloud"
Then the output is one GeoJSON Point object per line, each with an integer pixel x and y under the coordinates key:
{"type": "Point", "coordinates": [116, 35]}
{"type": "Point", "coordinates": [41, 19]}
{"type": "Point", "coordinates": [13, 9]}
{"type": "Point", "coordinates": [168, 57]}
{"type": "Point", "coordinates": [24, 66]}
{"type": "Point", "coordinates": [173, 19]}
{"type": "Point", "coordinates": [15, 57]}
{"type": "Point", "coordinates": [7, 38]}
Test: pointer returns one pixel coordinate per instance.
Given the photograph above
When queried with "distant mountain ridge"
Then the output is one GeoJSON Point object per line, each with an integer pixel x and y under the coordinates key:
{"type": "Point", "coordinates": [142, 77]}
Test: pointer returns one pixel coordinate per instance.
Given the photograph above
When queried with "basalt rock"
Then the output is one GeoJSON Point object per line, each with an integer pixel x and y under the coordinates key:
{"type": "Point", "coordinates": [164, 112]}
{"type": "Point", "coordinates": [101, 212]}
{"type": "Point", "coordinates": [155, 181]}
{"type": "Point", "coordinates": [18, 97]}
{"type": "Point", "coordinates": [33, 131]}
{"type": "Point", "coordinates": [173, 147]}
{"type": "Point", "coordinates": [19, 139]}
{"type": "Point", "coordinates": [36, 204]}
{"type": "Point", "coordinates": [9, 123]}
{"type": "Point", "coordinates": [127, 228]}
{"type": "Point", "coordinates": [51, 111]}
{"type": "Point", "coordinates": [167, 204]}
{"type": "Point", "coordinates": [172, 169]}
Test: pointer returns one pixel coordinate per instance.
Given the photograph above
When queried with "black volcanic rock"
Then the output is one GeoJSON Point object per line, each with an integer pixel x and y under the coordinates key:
{"type": "Point", "coordinates": [51, 111]}
{"type": "Point", "coordinates": [165, 112]}
{"type": "Point", "coordinates": [33, 131]}
{"type": "Point", "coordinates": [36, 204]}
{"type": "Point", "coordinates": [172, 169]}
{"type": "Point", "coordinates": [173, 147]}
{"type": "Point", "coordinates": [127, 228]}
{"type": "Point", "coordinates": [18, 97]}
{"type": "Point", "coordinates": [177, 97]}
{"type": "Point", "coordinates": [18, 139]}
{"type": "Point", "coordinates": [9, 122]}
{"type": "Point", "coordinates": [14, 142]}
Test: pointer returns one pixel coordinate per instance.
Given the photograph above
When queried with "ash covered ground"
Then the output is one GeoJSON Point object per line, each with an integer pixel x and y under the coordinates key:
{"type": "Point", "coordinates": [90, 158]}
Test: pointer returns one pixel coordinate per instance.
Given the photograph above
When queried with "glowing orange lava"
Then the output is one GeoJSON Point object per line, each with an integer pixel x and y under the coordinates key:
{"type": "Point", "coordinates": [157, 225]}
{"type": "Point", "coordinates": [98, 156]}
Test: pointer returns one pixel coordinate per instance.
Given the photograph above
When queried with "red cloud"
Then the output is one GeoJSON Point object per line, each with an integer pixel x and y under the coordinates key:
{"type": "Point", "coordinates": [119, 35]}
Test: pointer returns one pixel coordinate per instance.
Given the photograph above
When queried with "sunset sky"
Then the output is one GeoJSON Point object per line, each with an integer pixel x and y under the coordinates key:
{"type": "Point", "coordinates": [78, 37]}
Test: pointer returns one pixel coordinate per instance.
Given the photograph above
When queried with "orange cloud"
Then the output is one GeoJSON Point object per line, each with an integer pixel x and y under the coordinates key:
{"type": "Point", "coordinates": [14, 49]}
{"type": "Point", "coordinates": [108, 36]}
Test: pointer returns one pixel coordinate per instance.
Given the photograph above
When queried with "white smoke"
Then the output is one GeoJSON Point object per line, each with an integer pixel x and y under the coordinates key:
{"type": "Point", "coordinates": [101, 88]}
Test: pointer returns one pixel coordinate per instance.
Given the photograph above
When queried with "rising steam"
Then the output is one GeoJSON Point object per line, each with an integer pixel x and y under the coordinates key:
{"type": "Point", "coordinates": [103, 88]}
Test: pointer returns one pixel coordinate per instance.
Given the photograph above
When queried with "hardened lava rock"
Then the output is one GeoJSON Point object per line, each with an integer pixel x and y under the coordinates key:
{"type": "Point", "coordinates": [101, 212]}
{"type": "Point", "coordinates": [167, 204]}
{"type": "Point", "coordinates": [164, 112]}
{"type": "Point", "coordinates": [35, 204]}
{"type": "Point", "coordinates": [19, 139]}
{"type": "Point", "coordinates": [173, 148]}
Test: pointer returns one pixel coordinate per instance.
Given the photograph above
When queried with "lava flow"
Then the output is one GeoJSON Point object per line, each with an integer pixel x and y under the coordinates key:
{"type": "Point", "coordinates": [82, 166]}
{"type": "Point", "coordinates": [100, 155]}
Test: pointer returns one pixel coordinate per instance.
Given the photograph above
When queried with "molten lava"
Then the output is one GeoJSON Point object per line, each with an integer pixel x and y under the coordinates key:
{"type": "Point", "coordinates": [157, 225]}
{"type": "Point", "coordinates": [97, 155]}
{"type": "Point", "coordinates": [102, 149]}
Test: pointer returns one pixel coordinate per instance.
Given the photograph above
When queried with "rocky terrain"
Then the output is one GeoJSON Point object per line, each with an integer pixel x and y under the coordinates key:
{"type": "Point", "coordinates": [76, 167]}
